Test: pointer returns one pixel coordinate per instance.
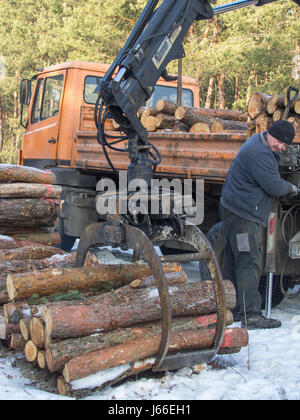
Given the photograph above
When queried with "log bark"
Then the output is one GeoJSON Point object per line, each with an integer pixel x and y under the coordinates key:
{"type": "Point", "coordinates": [144, 347]}
{"type": "Point", "coordinates": [166, 107]}
{"type": "Point", "coordinates": [257, 104]}
{"type": "Point", "coordinates": [31, 236]}
{"type": "Point", "coordinates": [21, 190]}
{"type": "Point", "coordinates": [17, 342]}
{"type": "Point", "coordinates": [17, 173]}
{"type": "Point", "coordinates": [128, 307]}
{"type": "Point", "coordinates": [61, 352]}
{"type": "Point", "coordinates": [172, 278]}
{"type": "Point", "coordinates": [14, 267]}
{"type": "Point", "coordinates": [102, 277]}
{"type": "Point", "coordinates": [229, 125]}
{"type": "Point", "coordinates": [225, 114]}
{"type": "Point", "coordinates": [30, 253]}
{"type": "Point", "coordinates": [191, 116]}
{"type": "Point", "coordinates": [6, 242]}
{"type": "Point", "coordinates": [29, 212]}
{"type": "Point", "coordinates": [164, 121]}
{"type": "Point", "coordinates": [278, 100]}
{"type": "Point", "coordinates": [180, 126]}
{"type": "Point", "coordinates": [14, 312]}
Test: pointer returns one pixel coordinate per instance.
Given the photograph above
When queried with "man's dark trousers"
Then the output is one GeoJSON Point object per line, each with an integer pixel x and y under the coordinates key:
{"type": "Point", "coordinates": [242, 261]}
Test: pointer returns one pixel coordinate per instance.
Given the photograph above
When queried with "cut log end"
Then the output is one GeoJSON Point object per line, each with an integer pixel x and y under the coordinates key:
{"type": "Point", "coordinates": [62, 387]}
{"type": "Point", "coordinates": [66, 374]}
{"type": "Point", "coordinates": [41, 359]}
{"type": "Point", "coordinates": [11, 291]}
{"type": "Point", "coordinates": [31, 351]}
{"type": "Point", "coordinates": [24, 329]}
{"type": "Point", "coordinates": [37, 332]}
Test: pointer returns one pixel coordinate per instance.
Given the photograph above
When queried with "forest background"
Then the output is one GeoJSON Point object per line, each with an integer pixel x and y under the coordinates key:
{"type": "Point", "coordinates": [231, 56]}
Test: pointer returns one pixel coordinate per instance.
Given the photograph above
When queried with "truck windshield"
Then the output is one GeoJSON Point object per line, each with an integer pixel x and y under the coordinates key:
{"type": "Point", "coordinates": [169, 93]}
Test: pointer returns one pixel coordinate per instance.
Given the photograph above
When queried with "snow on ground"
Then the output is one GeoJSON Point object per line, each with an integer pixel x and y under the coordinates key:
{"type": "Point", "coordinates": [269, 369]}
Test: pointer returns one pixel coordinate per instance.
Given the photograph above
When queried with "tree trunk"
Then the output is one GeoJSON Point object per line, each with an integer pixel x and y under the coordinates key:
{"type": "Point", "coordinates": [17, 342]}
{"type": "Point", "coordinates": [61, 352]}
{"type": "Point", "coordinates": [123, 308]}
{"type": "Point", "coordinates": [18, 173]}
{"type": "Point", "coordinates": [180, 126]}
{"type": "Point", "coordinates": [29, 253]}
{"type": "Point", "coordinates": [191, 115]}
{"type": "Point", "coordinates": [14, 312]}
{"type": "Point", "coordinates": [148, 346]}
{"type": "Point", "coordinates": [6, 242]}
{"type": "Point", "coordinates": [29, 212]}
{"type": "Point", "coordinates": [222, 101]}
{"type": "Point", "coordinates": [21, 190]}
{"type": "Point", "coordinates": [101, 277]}
{"type": "Point", "coordinates": [209, 92]}
{"type": "Point", "coordinates": [257, 104]}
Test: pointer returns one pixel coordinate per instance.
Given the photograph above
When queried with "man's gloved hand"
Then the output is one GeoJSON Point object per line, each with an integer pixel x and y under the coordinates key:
{"type": "Point", "coordinates": [295, 191]}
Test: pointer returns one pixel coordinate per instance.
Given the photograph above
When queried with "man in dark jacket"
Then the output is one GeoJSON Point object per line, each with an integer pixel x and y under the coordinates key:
{"type": "Point", "coordinates": [251, 185]}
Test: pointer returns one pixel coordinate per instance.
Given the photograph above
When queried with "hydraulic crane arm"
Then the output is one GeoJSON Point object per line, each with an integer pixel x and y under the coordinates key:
{"type": "Point", "coordinates": [156, 39]}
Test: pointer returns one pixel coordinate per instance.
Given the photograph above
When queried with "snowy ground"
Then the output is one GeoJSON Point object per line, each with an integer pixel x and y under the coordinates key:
{"type": "Point", "coordinates": [269, 369]}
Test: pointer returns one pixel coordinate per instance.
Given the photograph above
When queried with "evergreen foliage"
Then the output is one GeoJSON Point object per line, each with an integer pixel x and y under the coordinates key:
{"type": "Point", "coordinates": [236, 53]}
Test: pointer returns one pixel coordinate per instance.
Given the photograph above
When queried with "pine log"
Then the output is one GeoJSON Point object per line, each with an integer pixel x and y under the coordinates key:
{"type": "Point", "coordinates": [190, 116]}
{"type": "Point", "coordinates": [272, 107]}
{"type": "Point", "coordinates": [257, 104]}
{"type": "Point", "coordinates": [172, 278]}
{"type": "Point", "coordinates": [41, 359]}
{"type": "Point", "coordinates": [200, 127]}
{"type": "Point", "coordinates": [229, 125]}
{"type": "Point", "coordinates": [23, 236]}
{"type": "Point", "coordinates": [180, 126]}
{"type": "Point", "coordinates": [36, 328]}
{"type": "Point", "coordinates": [30, 253]}
{"type": "Point", "coordinates": [6, 242]}
{"type": "Point", "coordinates": [295, 120]}
{"type": "Point", "coordinates": [166, 107]}
{"type": "Point", "coordinates": [24, 325]}
{"type": "Point", "coordinates": [277, 115]}
{"type": "Point", "coordinates": [29, 212]}
{"type": "Point", "coordinates": [17, 342]}
{"type": "Point", "coordinates": [59, 353]}
{"type": "Point", "coordinates": [148, 112]}
{"type": "Point", "coordinates": [102, 277]}
{"type": "Point", "coordinates": [31, 351]}
{"type": "Point", "coordinates": [278, 100]}
{"type": "Point", "coordinates": [17, 173]}
{"type": "Point", "coordinates": [143, 347]}
{"type": "Point", "coordinates": [21, 190]}
{"type": "Point", "coordinates": [164, 121]}
{"type": "Point", "coordinates": [123, 308]}
{"type": "Point", "coordinates": [57, 261]}
{"type": "Point", "coordinates": [295, 106]}
{"type": "Point", "coordinates": [3, 297]}
{"type": "Point", "coordinates": [263, 122]}
{"type": "Point", "coordinates": [150, 124]}
{"type": "Point", "coordinates": [14, 312]}
{"type": "Point", "coordinates": [6, 330]}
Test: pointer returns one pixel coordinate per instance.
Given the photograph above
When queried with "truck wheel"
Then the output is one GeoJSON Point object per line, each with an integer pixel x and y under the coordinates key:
{"type": "Point", "coordinates": [67, 242]}
{"type": "Point", "coordinates": [217, 239]}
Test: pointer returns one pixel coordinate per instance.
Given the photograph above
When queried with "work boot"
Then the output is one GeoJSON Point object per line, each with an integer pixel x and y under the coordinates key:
{"type": "Point", "coordinates": [256, 321]}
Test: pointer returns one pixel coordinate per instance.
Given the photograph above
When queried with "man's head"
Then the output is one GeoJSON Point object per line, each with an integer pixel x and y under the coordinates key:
{"type": "Point", "coordinates": [280, 134]}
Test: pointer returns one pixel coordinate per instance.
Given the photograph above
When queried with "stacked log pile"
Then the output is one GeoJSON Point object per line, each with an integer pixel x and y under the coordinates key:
{"type": "Point", "coordinates": [29, 207]}
{"type": "Point", "coordinates": [265, 109]}
{"type": "Point", "coordinates": [107, 319]}
{"type": "Point", "coordinates": [169, 116]}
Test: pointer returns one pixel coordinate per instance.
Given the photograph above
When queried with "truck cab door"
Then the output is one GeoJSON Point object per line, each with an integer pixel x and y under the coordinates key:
{"type": "Point", "coordinates": [41, 137]}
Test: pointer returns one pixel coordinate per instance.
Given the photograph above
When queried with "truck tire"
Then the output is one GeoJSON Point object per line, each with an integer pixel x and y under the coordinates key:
{"type": "Point", "coordinates": [217, 239]}
{"type": "Point", "coordinates": [67, 242]}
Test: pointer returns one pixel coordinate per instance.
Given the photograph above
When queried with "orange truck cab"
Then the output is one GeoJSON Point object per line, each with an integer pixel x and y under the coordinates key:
{"type": "Point", "coordinates": [60, 122]}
